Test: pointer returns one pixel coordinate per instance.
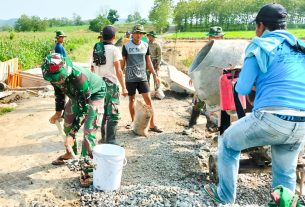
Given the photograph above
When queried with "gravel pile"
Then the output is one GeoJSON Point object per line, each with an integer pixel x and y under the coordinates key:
{"type": "Point", "coordinates": [139, 195]}
{"type": "Point", "coordinates": [170, 169]}
{"type": "Point", "coordinates": [177, 194]}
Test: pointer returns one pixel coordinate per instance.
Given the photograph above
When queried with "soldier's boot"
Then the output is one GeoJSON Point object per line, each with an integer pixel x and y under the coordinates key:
{"type": "Point", "coordinates": [193, 121]}
{"type": "Point", "coordinates": [111, 130]}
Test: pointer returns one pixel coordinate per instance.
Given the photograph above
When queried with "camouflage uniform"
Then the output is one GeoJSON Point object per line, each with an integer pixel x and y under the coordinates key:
{"type": "Point", "coordinates": [111, 112]}
{"type": "Point", "coordinates": [86, 92]}
{"type": "Point", "coordinates": [155, 55]}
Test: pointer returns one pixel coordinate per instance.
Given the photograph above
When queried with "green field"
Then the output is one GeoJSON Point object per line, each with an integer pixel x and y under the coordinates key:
{"type": "Point", "coordinates": [300, 33]}
{"type": "Point", "coordinates": [32, 47]}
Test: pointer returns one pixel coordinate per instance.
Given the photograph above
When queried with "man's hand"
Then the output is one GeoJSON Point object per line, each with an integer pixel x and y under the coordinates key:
{"type": "Point", "coordinates": [124, 92]}
{"type": "Point", "coordinates": [92, 69]}
{"type": "Point", "coordinates": [190, 82]}
{"type": "Point", "coordinates": [157, 79]}
{"type": "Point", "coordinates": [69, 141]}
{"type": "Point", "coordinates": [56, 116]}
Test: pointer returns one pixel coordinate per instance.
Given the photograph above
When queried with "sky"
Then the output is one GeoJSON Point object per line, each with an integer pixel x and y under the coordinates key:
{"type": "Point", "coordinates": [87, 9]}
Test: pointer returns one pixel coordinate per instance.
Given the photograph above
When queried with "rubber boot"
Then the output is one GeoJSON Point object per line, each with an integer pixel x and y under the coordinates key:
{"type": "Point", "coordinates": [103, 133]}
{"type": "Point", "coordinates": [193, 121]}
{"type": "Point", "coordinates": [111, 132]}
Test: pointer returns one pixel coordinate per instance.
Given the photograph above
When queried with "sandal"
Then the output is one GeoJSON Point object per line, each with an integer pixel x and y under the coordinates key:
{"type": "Point", "coordinates": [60, 160]}
{"type": "Point", "coordinates": [211, 190]}
{"type": "Point", "coordinates": [129, 126]}
{"type": "Point", "coordinates": [156, 129]}
{"type": "Point", "coordinates": [85, 180]}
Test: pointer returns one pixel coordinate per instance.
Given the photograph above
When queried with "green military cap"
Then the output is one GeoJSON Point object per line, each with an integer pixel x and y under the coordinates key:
{"type": "Point", "coordinates": [56, 67]}
{"type": "Point", "coordinates": [152, 33]}
{"type": "Point", "coordinates": [60, 34]}
{"type": "Point", "coordinates": [216, 32]}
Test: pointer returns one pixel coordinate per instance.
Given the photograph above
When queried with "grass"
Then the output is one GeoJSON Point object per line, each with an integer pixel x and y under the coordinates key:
{"type": "Point", "coordinates": [68, 28]}
{"type": "Point", "coordinates": [4, 110]}
{"type": "Point", "coordinates": [300, 33]}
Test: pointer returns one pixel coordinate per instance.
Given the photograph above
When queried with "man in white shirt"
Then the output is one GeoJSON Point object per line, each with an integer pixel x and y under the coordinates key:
{"type": "Point", "coordinates": [106, 63]}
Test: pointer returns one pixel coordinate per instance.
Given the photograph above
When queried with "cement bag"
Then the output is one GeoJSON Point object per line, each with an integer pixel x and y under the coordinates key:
{"type": "Point", "coordinates": [142, 118]}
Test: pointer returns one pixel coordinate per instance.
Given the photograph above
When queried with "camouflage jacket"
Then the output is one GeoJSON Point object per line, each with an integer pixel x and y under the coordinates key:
{"type": "Point", "coordinates": [81, 87]}
{"type": "Point", "coordinates": [155, 52]}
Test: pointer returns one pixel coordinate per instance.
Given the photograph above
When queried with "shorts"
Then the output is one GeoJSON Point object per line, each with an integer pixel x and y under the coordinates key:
{"type": "Point", "coordinates": [142, 87]}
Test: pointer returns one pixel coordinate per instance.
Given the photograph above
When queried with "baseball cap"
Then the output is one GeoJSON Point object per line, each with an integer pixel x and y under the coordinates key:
{"type": "Point", "coordinates": [273, 12]}
{"type": "Point", "coordinates": [108, 32]}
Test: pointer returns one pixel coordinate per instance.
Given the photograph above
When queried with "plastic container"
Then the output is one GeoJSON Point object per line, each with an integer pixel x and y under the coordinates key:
{"type": "Point", "coordinates": [110, 160]}
{"type": "Point", "coordinates": [226, 93]}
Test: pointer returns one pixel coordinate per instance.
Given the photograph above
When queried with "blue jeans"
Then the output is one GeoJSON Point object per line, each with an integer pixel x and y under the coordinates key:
{"type": "Point", "coordinates": [259, 129]}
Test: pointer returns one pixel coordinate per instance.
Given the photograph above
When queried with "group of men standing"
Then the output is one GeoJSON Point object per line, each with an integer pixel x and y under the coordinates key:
{"type": "Point", "coordinates": [274, 67]}
{"type": "Point", "coordinates": [94, 95]}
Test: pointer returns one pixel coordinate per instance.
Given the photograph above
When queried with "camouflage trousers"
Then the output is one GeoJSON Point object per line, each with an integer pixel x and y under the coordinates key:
{"type": "Point", "coordinates": [111, 109]}
{"type": "Point", "coordinates": [91, 123]}
{"type": "Point", "coordinates": [198, 104]}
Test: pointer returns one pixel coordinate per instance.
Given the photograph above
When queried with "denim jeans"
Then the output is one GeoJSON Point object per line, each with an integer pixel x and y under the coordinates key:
{"type": "Point", "coordinates": [259, 129]}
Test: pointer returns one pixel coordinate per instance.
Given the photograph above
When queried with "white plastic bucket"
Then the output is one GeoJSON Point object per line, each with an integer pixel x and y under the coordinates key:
{"type": "Point", "coordinates": [109, 160]}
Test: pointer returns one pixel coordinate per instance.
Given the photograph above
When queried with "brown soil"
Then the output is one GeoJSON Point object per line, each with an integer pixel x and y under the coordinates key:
{"type": "Point", "coordinates": [29, 143]}
{"type": "Point", "coordinates": [181, 52]}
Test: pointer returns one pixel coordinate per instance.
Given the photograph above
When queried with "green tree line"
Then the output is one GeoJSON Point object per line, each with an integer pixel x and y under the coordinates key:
{"type": "Point", "coordinates": [199, 15]}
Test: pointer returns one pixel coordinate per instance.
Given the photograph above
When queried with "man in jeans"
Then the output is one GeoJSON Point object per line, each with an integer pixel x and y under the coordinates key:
{"type": "Point", "coordinates": [275, 65]}
{"type": "Point", "coordinates": [111, 72]}
{"type": "Point", "coordinates": [136, 55]}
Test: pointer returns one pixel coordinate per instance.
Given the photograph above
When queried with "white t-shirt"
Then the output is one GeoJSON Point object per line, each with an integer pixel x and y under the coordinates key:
{"type": "Point", "coordinates": [112, 54]}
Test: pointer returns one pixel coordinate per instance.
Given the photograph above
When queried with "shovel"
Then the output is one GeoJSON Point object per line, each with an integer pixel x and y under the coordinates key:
{"type": "Point", "coordinates": [61, 133]}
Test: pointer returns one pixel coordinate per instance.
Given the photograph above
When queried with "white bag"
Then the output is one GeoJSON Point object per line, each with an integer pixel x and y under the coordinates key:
{"type": "Point", "coordinates": [159, 94]}
{"type": "Point", "coordinates": [142, 118]}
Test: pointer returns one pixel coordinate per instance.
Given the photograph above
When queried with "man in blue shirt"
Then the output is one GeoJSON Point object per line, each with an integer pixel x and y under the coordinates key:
{"type": "Point", "coordinates": [59, 48]}
{"type": "Point", "coordinates": [275, 67]}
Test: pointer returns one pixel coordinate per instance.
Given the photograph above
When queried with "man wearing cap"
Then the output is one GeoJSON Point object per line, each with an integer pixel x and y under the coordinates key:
{"type": "Point", "coordinates": [86, 92]}
{"type": "Point", "coordinates": [199, 106]}
{"type": "Point", "coordinates": [215, 33]}
{"type": "Point", "coordinates": [136, 55]}
{"type": "Point", "coordinates": [59, 48]}
{"type": "Point", "coordinates": [126, 38]}
{"type": "Point", "coordinates": [155, 54]}
{"type": "Point", "coordinates": [110, 71]}
{"type": "Point", "coordinates": [275, 65]}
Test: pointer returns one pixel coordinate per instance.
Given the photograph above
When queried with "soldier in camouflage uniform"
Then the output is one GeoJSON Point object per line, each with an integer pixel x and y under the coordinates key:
{"type": "Point", "coordinates": [86, 92]}
{"type": "Point", "coordinates": [111, 72]}
{"type": "Point", "coordinates": [199, 106]}
{"type": "Point", "coordinates": [155, 54]}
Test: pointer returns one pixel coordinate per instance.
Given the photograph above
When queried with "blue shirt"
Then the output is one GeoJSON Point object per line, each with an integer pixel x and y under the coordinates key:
{"type": "Point", "coordinates": [60, 49]}
{"type": "Point", "coordinates": [282, 85]}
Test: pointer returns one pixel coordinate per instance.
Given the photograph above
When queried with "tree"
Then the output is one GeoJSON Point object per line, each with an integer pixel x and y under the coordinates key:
{"type": "Point", "coordinates": [113, 16]}
{"type": "Point", "coordinates": [160, 14]}
{"type": "Point", "coordinates": [77, 20]}
{"type": "Point", "coordinates": [34, 23]}
{"type": "Point", "coordinates": [130, 18]}
{"type": "Point", "coordinates": [135, 17]}
{"type": "Point", "coordinates": [38, 24]}
{"type": "Point", "coordinates": [98, 23]}
{"type": "Point", "coordinates": [23, 24]}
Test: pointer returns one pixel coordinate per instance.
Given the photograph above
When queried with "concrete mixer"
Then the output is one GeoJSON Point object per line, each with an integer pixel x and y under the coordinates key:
{"type": "Point", "coordinates": [209, 64]}
{"type": "Point", "coordinates": [213, 72]}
